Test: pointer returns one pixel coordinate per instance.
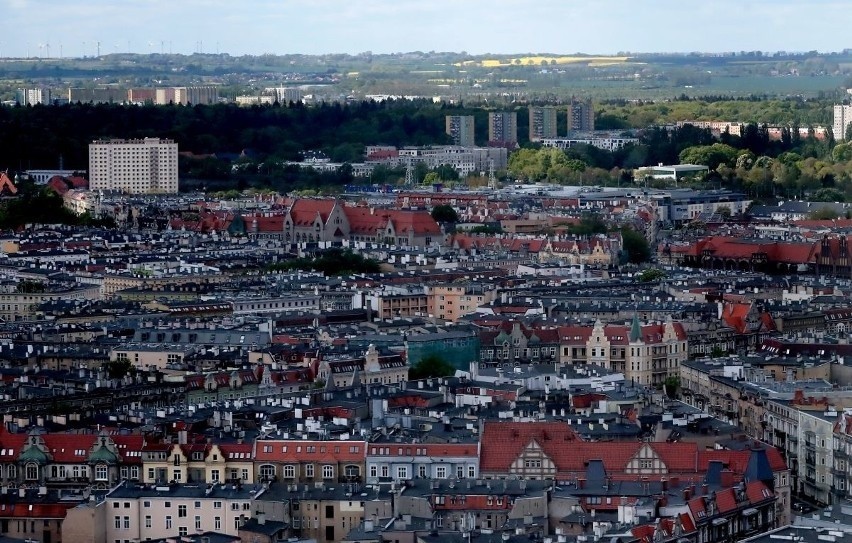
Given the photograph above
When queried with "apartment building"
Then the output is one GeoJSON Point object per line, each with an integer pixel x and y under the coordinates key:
{"type": "Point", "coordinates": [452, 302]}
{"type": "Point", "coordinates": [460, 129]}
{"type": "Point", "coordinates": [303, 461]}
{"type": "Point", "coordinates": [842, 120]}
{"type": "Point", "coordinates": [403, 461]}
{"type": "Point", "coordinates": [542, 123]}
{"type": "Point", "coordinates": [581, 115]}
{"type": "Point", "coordinates": [502, 127]}
{"type": "Point", "coordinates": [146, 166]}
{"type": "Point", "coordinates": [198, 463]}
{"type": "Point", "coordinates": [186, 95]}
{"type": "Point", "coordinates": [140, 512]}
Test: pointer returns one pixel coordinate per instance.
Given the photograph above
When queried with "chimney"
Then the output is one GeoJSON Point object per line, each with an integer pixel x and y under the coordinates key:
{"type": "Point", "coordinates": [727, 478]}
{"type": "Point", "coordinates": [674, 481]}
{"type": "Point", "coordinates": [665, 483]}
{"type": "Point", "coordinates": [687, 494]}
{"type": "Point", "coordinates": [705, 489]}
{"type": "Point", "coordinates": [261, 518]}
{"type": "Point", "coordinates": [581, 483]}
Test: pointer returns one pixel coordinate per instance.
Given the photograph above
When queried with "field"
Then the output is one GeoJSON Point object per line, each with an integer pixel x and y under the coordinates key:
{"type": "Point", "coordinates": [544, 61]}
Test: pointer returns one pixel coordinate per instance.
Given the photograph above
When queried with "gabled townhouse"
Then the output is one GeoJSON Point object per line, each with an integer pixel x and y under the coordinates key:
{"type": "Point", "coordinates": [371, 368]}
{"type": "Point", "coordinates": [552, 450]}
{"type": "Point", "coordinates": [211, 463]}
{"type": "Point", "coordinates": [309, 461]}
{"type": "Point", "coordinates": [68, 460]}
{"type": "Point", "coordinates": [646, 355]}
{"type": "Point", "coordinates": [474, 504]}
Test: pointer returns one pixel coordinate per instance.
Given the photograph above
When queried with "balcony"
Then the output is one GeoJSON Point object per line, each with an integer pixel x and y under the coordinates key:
{"type": "Point", "coordinates": [810, 458]}
{"type": "Point", "coordinates": [810, 444]}
{"type": "Point", "coordinates": [838, 473]}
{"type": "Point", "coordinates": [841, 454]}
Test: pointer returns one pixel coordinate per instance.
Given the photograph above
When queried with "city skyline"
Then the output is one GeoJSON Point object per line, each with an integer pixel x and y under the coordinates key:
{"type": "Point", "coordinates": [51, 28]}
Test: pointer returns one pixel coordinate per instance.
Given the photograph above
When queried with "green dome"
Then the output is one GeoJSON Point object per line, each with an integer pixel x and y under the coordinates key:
{"type": "Point", "coordinates": [33, 454]}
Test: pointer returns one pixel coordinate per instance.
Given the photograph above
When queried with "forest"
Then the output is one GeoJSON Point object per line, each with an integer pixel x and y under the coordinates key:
{"type": "Point", "coordinates": [230, 147]}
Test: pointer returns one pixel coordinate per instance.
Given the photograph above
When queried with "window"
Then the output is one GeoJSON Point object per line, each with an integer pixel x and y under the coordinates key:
{"type": "Point", "coordinates": [197, 505]}
{"type": "Point", "coordinates": [267, 471]}
{"type": "Point", "coordinates": [197, 522]}
{"type": "Point", "coordinates": [374, 470]}
{"type": "Point", "coordinates": [126, 523]}
{"type": "Point", "coordinates": [217, 505]}
{"type": "Point", "coordinates": [309, 471]}
{"type": "Point", "coordinates": [147, 521]}
{"type": "Point", "coordinates": [402, 472]}
{"type": "Point", "coordinates": [117, 520]}
{"type": "Point", "coordinates": [177, 475]}
{"type": "Point", "coordinates": [471, 471]}
{"type": "Point", "coordinates": [441, 472]}
{"type": "Point", "coordinates": [31, 472]}
{"type": "Point", "coordinates": [460, 472]}
{"type": "Point", "coordinates": [217, 523]}
{"type": "Point", "coordinates": [181, 511]}
{"type": "Point", "coordinates": [289, 472]}
{"type": "Point", "coordinates": [421, 471]}
{"type": "Point", "coordinates": [328, 472]}
{"type": "Point", "coordinates": [168, 522]}
{"type": "Point", "coordinates": [214, 475]}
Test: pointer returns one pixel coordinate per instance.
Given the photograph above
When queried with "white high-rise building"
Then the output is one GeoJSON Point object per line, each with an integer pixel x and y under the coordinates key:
{"type": "Point", "coordinates": [842, 120]}
{"type": "Point", "coordinates": [147, 166]}
{"type": "Point", "coordinates": [31, 97]}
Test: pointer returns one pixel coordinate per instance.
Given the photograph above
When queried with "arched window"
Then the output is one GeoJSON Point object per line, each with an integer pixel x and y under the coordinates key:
{"type": "Point", "coordinates": [352, 471]}
{"type": "Point", "coordinates": [267, 472]}
{"type": "Point", "coordinates": [289, 471]}
{"type": "Point", "coordinates": [328, 471]}
{"type": "Point", "coordinates": [31, 472]}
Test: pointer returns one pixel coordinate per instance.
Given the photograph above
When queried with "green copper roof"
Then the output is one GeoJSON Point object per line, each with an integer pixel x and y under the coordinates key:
{"type": "Point", "coordinates": [103, 455]}
{"type": "Point", "coordinates": [635, 329]}
{"type": "Point", "coordinates": [33, 454]}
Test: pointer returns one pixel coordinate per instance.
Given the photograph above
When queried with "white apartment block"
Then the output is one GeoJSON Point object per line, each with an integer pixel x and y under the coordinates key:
{"type": "Point", "coordinates": [139, 513]}
{"type": "Point", "coordinates": [842, 120]}
{"type": "Point", "coordinates": [147, 166]}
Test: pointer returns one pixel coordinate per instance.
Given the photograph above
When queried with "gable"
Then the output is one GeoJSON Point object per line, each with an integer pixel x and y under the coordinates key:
{"type": "Point", "coordinates": [646, 460]}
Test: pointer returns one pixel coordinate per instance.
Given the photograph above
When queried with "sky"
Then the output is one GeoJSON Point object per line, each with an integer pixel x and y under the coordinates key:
{"type": "Point", "coordinates": [42, 28]}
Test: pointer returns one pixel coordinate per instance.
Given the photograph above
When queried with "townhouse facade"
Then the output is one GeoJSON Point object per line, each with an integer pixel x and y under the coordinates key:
{"type": "Point", "coordinates": [309, 461]}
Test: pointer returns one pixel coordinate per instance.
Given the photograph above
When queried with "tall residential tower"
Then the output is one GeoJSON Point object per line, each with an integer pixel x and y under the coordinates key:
{"type": "Point", "coordinates": [542, 122]}
{"type": "Point", "coordinates": [842, 120]}
{"type": "Point", "coordinates": [460, 128]}
{"type": "Point", "coordinates": [502, 127]}
{"type": "Point", "coordinates": [581, 116]}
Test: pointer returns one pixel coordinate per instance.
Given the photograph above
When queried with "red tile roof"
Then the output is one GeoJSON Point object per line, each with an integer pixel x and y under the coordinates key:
{"type": "Point", "coordinates": [277, 450]}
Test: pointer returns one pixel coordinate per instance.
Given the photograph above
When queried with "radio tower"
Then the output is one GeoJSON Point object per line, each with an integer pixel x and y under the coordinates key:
{"type": "Point", "coordinates": [409, 173]}
{"type": "Point", "coordinates": [492, 179]}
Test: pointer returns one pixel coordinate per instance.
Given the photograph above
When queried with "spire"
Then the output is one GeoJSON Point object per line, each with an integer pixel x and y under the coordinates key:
{"type": "Point", "coordinates": [635, 329]}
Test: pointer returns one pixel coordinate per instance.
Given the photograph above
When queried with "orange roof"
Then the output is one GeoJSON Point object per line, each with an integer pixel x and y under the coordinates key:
{"type": "Point", "coordinates": [279, 450]}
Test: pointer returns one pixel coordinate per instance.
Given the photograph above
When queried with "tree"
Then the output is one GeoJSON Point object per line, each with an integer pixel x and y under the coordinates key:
{"type": "Point", "coordinates": [430, 366]}
{"type": "Point", "coordinates": [671, 386]}
{"type": "Point", "coordinates": [651, 274]}
{"type": "Point", "coordinates": [117, 369]}
{"type": "Point", "coordinates": [824, 214]}
{"type": "Point", "coordinates": [444, 213]}
{"type": "Point", "coordinates": [635, 246]}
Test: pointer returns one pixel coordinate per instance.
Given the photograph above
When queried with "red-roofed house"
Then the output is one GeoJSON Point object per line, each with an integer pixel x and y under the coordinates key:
{"type": "Point", "coordinates": [309, 461]}
{"type": "Point", "coordinates": [314, 220]}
